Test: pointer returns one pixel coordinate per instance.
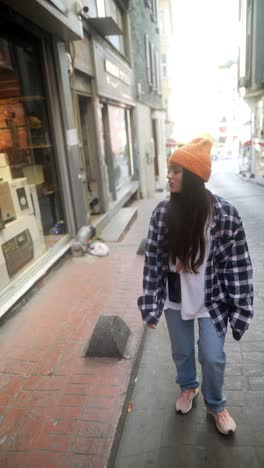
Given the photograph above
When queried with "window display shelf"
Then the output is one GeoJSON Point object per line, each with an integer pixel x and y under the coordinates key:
{"type": "Point", "coordinates": [38, 147]}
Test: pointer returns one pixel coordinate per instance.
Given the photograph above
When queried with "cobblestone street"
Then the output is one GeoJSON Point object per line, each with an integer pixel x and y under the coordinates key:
{"type": "Point", "coordinates": [154, 434]}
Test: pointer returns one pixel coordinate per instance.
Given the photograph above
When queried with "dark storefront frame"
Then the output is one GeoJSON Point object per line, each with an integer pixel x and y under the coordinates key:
{"type": "Point", "coordinates": [48, 51]}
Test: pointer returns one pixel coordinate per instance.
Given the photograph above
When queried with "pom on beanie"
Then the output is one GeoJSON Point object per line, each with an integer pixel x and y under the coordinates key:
{"type": "Point", "coordinates": [195, 157]}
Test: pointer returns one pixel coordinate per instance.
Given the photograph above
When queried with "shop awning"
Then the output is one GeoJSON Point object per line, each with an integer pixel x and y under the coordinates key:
{"type": "Point", "coordinates": [105, 26]}
{"type": "Point", "coordinates": [52, 16]}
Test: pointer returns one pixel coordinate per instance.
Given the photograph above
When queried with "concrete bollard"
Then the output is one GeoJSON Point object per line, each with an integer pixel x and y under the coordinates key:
{"type": "Point", "coordinates": [109, 338]}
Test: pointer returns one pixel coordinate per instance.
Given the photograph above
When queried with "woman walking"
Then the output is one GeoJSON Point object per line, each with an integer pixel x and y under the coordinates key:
{"type": "Point", "coordinates": [197, 266]}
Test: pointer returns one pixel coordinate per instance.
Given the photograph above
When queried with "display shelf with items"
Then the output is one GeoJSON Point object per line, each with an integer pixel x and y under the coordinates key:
{"type": "Point", "coordinates": [30, 157]}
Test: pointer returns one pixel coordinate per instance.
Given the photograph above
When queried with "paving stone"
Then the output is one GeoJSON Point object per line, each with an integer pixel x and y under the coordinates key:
{"type": "Point", "coordinates": [149, 459]}
{"type": "Point", "coordinates": [235, 383]}
{"type": "Point", "coordinates": [185, 458]}
{"type": "Point", "coordinates": [233, 369]}
{"type": "Point", "coordinates": [256, 383]}
{"type": "Point", "coordinates": [237, 457]}
{"type": "Point", "coordinates": [251, 369]}
{"type": "Point", "coordinates": [147, 422]}
{"type": "Point", "coordinates": [260, 456]}
{"type": "Point", "coordinates": [252, 346]}
{"type": "Point", "coordinates": [254, 398]}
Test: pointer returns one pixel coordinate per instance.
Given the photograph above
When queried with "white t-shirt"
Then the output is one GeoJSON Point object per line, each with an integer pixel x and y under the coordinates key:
{"type": "Point", "coordinates": [192, 289]}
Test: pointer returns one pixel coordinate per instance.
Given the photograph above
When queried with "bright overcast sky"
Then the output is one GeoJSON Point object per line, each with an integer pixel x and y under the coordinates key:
{"type": "Point", "coordinates": [205, 36]}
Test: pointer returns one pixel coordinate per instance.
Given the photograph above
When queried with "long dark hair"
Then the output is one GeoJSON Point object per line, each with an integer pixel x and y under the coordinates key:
{"type": "Point", "coordinates": [187, 214]}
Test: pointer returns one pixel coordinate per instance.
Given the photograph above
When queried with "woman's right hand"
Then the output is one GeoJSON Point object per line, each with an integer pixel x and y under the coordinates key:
{"type": "Point", "coordinates": [150, 325]}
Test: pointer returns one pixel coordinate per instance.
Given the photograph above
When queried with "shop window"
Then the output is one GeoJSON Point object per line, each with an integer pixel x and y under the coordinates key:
{"type": "Point", "coordinates": [120, 134]}
{"type": "Point", "coordinates": [31, 218]}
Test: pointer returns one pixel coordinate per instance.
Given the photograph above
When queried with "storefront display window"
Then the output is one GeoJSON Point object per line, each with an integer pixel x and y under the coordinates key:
{"type": "Point", "coordinates": [31, 217]}
{"type": "Point", "coordinates": [120, 143]}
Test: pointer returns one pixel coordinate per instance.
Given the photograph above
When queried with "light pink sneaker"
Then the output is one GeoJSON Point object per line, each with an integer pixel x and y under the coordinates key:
{"type": "Point", "coordinates": [224, 422]}
{"type": "Point", "coordinates": [185, 399]}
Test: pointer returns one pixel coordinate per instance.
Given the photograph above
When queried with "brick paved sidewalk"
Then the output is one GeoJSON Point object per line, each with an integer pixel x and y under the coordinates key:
{"type": "Point", "coordinates": [59, 409]}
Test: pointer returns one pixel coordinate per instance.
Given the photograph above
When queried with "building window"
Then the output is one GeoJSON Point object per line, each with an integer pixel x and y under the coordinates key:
{"type": "Point", "coordinates": [153, 66]}
{"type": "Point", "coordinates": [118, 16]}
{"type": "Point", "coordinates": [157, 70]}
{"type": "Point", "coordinates": [100, 8]}
{"type": "Point", "coordinates": [164, 66]}
{"type": "Point", "coordinates": [148, 58]}
{"type": "Point", "coordinates": [154, 10]}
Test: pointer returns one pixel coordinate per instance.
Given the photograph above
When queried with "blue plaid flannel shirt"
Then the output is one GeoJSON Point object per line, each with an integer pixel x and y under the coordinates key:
{"type": "Point", "coordinates": [228, 277]}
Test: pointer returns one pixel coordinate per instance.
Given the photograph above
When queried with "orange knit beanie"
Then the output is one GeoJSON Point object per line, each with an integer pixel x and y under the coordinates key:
{"type": "Point", "coordinates": [195, 157]}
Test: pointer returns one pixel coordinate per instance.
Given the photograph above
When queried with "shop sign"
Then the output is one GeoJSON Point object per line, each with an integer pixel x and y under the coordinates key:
{"type": "Point", "coordinates": [114, 78]}
{"type": "Point", "coordinates": [113, 70]}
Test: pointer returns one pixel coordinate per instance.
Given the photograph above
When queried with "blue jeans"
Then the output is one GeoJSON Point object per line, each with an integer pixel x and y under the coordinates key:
{"type": "Point", "coordinates": [211, 356]}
